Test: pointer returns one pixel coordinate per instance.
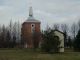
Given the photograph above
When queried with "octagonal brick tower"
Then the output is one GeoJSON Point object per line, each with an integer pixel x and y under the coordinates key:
{"type": "Point", "coordinates": [31, 32]}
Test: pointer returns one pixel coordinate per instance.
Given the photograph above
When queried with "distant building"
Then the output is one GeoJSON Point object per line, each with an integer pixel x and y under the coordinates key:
{"type": "Point", "coordinates": [30, 31]}
{"type": "Point", "coordinates": [60, 36]}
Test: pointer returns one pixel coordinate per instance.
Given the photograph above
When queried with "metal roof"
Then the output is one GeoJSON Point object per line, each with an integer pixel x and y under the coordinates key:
{"type": "Point", "coordinates": [32, 19]}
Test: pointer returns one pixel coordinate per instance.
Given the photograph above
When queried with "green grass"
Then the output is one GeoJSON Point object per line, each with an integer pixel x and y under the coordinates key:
{"type": "Point", "coordinates": [28, 54]}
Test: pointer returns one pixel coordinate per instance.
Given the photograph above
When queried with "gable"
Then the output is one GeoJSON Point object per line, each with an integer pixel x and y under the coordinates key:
{"type": "Point", "coordinates": [59, 34]}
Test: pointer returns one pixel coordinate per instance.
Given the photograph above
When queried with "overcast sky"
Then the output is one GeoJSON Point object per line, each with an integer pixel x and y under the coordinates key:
{"type": "Point", "coordinates": [47, 11]}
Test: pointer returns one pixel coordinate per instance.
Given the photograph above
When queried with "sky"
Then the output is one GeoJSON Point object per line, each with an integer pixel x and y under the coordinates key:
{"type": "Point", "coordinates": [47, 11]}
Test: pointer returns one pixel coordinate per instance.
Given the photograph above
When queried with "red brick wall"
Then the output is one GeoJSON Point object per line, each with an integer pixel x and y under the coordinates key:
{"type": "Point", "coordinates": [27, 36]}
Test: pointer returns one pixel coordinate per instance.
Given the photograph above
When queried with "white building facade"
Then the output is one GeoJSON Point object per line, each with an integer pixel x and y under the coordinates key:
{"type": "Point", "coordinates": [61, 39]}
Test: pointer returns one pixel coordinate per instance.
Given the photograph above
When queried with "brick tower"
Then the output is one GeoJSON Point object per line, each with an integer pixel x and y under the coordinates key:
{"type": "Point", "coordinates": [31, 32]}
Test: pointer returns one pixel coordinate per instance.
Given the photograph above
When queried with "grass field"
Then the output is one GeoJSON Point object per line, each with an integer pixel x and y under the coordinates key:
{"type": "Point", "coordinates": [25, 54]}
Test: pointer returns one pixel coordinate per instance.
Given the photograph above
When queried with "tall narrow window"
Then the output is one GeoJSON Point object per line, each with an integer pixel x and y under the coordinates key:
{"type": "Point", "coordinates": [32, 28]}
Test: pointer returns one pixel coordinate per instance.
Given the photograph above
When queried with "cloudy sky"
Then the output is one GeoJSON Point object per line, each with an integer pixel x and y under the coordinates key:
{"type": "Point", "coordinates": [47, 11]}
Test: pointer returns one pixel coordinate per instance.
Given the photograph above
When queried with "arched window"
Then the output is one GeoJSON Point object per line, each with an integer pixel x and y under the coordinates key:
{"type": "Point", "coordinates": [32, 28]}
{"type": "Point", "coordinates": [56, 37]}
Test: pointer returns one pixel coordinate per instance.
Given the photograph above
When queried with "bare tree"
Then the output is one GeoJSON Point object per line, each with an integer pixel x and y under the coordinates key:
{"type": "Point", "coordinates": [10, 34]}
{"type": "Point", "coordinates": [10, 29]}
{"type": "Point", "coordinates": [56, 27]}
{"type": "Point", "coordinates": [74, 30]}
{"type": "Point", "coordinates": [15, 29]}
{"type": "Point", "coordinates": [18, 31]}
{"type": "Point", "coordinates": [64, 28]}
{"type": "Point", "coordinates": [48, 28]}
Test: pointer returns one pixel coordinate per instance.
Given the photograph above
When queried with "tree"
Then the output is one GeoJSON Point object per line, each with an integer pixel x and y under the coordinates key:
{"type": "Point", "coordinates": [3, 36]}
{"type": "Point", "coordinates": [49, 44]}
{"type": "Point", "coordinates": [74, 30]}
{"type": "Point", "coordinates": [77, 42]}
{"type": "Point", "coordinates": [8, 37]}
{"type": "Point", "coordinates": [0, 29]}
{"type": "Point", "coordinates": [14, 41]}
{"type": "Point", "coordinates": [56, 26]}
{"type": "Point", "coordinates": [19, 32]}
{"type": "Point", "coordinates": [10, 29]}
{"type": "Point", "coordinates": [79, 24]}
{"type": "Point", "coordinates": [64, 28]}
{"type": "Point", "coordinates": [69, 44]}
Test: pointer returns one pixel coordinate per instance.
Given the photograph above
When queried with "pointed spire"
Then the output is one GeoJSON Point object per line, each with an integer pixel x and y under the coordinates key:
{"type": "Point", "coordinates": [31, 17]}
{"type": "Point", "coordinates": [30, 12]}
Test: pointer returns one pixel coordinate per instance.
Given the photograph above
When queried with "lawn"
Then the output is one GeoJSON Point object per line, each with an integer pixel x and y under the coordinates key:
{"type": "Point", "coordinates": [25, 54]}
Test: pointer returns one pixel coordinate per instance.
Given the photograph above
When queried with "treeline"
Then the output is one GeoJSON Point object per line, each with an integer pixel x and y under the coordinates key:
{"type": "Point", "coordinates": [10, 35]}
{"type": "Point", "coordinates": [71, 34]}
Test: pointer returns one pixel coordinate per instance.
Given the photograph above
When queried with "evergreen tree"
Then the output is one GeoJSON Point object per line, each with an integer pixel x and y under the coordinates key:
{"type": "Point", "coordinates": [77, 42]}
{"type": "Point", "coordinates": [14, 41]}
{"type": "Point", "coordinates": [69, 42]}
{"type": "Point", "coordinates": [8, 37]}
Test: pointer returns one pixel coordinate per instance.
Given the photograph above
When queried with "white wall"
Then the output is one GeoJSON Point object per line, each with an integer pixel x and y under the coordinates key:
{"type": "Point", "coordinates": [61, 37]}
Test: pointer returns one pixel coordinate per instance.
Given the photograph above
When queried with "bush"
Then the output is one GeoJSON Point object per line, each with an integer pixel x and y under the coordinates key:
{"type": "Point", "coordinates": [50, 43]}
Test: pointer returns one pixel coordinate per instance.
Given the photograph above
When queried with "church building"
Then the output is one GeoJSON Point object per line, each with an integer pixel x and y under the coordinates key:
{"type": "Point", "coordinates": [31, 34]}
